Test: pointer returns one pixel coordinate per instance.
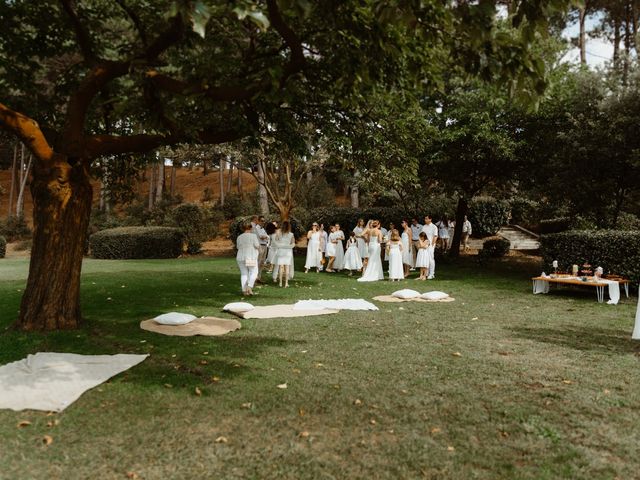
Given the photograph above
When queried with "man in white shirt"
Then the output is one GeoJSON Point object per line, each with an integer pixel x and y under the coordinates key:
{"type": "Point", "coordinates": [257, 227]}
{"type": "Point", "coordinates": [431, 231]}
{"type": "Point", "coordinates": [466, 233]}
{"type": "Point", "coordinates": [416, 228]}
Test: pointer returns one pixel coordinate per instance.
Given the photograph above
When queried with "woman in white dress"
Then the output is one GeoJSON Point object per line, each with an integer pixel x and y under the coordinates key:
{"type": "Point", "coordinates": [330, 252]}
{"type": "Point", "coordinates": [394, 247]}
{"type": "Point", "coordinates": [373, 271]}
{"type": "Point", "coordinates": [422, 257]}
{"type": "Point", "coordinates": [247, 257]}
{"type": "Point", "coordinates": [339, 263]}
{"type": "Point", "coordinates": [387, 239]}
{"type": "Point", "coordinates": [352, 260]}
{"type": "Point", "coordinates": [362, 241]}
{"type": "Point", "coordinates": [285, 242]}
{"type": "Point", "coordinates": [272, 231]}
{"type": "Point", "coordinates": [443, 232]}
{"type": "Point", "coordinates": [314, 249]}
{"type": "Point", "coordinates": [407, 254]}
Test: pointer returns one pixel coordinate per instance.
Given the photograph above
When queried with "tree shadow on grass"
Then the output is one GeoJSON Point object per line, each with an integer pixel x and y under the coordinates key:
{"type": "Point", "coordinates": [582, 338]}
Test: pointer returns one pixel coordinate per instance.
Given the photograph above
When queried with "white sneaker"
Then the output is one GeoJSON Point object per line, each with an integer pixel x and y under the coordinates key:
{"type": "Point", "coordinates": [430, 277]}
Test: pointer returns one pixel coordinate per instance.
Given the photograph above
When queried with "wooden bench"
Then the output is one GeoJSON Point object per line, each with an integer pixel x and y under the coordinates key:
{"type": "Point", "coordinates": [590, 282]}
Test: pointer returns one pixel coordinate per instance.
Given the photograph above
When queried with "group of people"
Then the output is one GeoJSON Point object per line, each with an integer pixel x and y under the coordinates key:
{"type": "Point", "coordinates": [408, 248]}
{"type": "Point", "coordinates": [258, 246]}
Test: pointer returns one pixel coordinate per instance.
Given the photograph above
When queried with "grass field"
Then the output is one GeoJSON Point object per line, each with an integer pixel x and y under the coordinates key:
{"type": "Point", "coordinates": [499, 384]}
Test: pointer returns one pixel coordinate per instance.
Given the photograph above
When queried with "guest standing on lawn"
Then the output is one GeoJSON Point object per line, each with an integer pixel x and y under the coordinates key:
{"type": "Point", "coordinates": [443, 232]}
{"type": "Point", "coordinates": [352, 260]}
{"type": "Point", "coordinates": [422, 258]}
{"type": "Point", "coordinates": [257, 224]}
{"type": "Point", "coordinates": [394, 247]}
{"type": "Point", "coordinates": [373, 271]}
{"type": "Point", "coordinates": [407, 248]}
{"type": "Point", "coordinates": [362, 242]}
{"type": "Point", "coordinates": [432, 235]}
{"type": "Point", "coordinates": [324, 241]}
{"type": "Point", "coordinates": [416, 228]}
{"type": "Point", "coordinates": [331, 249]}
{"type": "Point", "coordinates": [466, 233]}
{"type": "Point", "coordinates": [339, 263]}
{"type": "Point", "coordinates": [247, 257]}
{"type": "Point", "coordinates": [314, 249]}
{"type": "Point", "coordinates": [285, 242]}
{"type": "Point", "coordinates": [272, 230]}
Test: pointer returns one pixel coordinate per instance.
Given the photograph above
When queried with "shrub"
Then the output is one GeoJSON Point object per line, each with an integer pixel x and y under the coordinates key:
{"type": "Point", "coordinates": [14, 228]}
{"type": "Point", "coordinates": [524, 212]}
{"type": "Point", "coordinates": [234, 206]}
{"type": "Point", "coordinates": [316, 193]}
{"type": "Point", "coordinates": [615, 251]}
{"type": "Point", "coordinates": [103, 220]}
{"type": "Point", "coordinates": [554, 225]}
{"type": "Point", "coordinates": [137, 242]}
{"type": "Point", "coordinates": [487, 215]}
{"type": "Point", "coordinates": [197, 224]}
{"type": "Point", "coordinates": [3, 247]}
{"type": "Point", "coordinates": [495, 248]}
{"type": "Point", "coordinates": [628, 221]}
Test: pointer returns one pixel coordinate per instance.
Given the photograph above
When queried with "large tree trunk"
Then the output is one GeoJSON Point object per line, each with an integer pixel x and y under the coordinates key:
{"type": "Point", "coordinates": [160, 184]}
{"type": "Point", "coordinates": [172, 187]}
{"type": "Point", "coordinates": [61, 209]}
{"type": "Point", "coordinates": [263, 196]}
{"type": "Point", "coordinates": [285, 209]}
{"type": "Point", "coordinates": [461, 210]}
{"type": "Point", "coordinates": [355, 191]}
{"type": "Point", "coordinates": [616, 42]}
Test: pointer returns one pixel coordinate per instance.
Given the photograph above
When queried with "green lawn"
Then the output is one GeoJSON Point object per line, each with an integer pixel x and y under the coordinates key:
{"type": "Point", "coordinates": [544, 386]}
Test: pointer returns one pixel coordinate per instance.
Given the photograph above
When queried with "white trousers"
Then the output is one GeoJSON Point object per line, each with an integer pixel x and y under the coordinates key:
{"type": "Point", "coordinates": [248, 275]}
{"type": "Point", "coordinates": [432, 260]}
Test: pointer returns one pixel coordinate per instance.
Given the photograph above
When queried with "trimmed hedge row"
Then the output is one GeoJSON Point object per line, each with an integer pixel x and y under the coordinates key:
{"type": "Point", "coordinates": [616, 251]}
{"type": "Point", "coordinates": [3, 247]}
{"type": "Point", "coordinates": [495, 248]}
{"type": "Point", "coordinates": [487, 215]}
{"type": "Point", "coordinates": [137, 242]}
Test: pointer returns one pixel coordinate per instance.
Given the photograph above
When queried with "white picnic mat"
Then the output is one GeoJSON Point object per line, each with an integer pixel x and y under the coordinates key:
{"type": "Point", "coordinates": [52, 381]}
{"type": "Point", "coordinates": [341, 304]}
{"type": "Point", "coordinates": [636, 329]}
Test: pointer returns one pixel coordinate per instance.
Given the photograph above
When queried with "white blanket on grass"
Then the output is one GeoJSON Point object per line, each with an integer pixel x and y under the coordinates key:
{"type": "Point", "coordinates": [53, 381]}
{"type": "Point", "coordinates": [342, 304]}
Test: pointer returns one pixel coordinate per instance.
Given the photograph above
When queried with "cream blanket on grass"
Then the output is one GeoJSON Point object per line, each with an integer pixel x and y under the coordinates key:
{"type": "Point", "coordinates": [281, 311]}
{"type": "Point", "coordinates": [392, 299]}
{"type": "Point", "coordinates": [53, 381]}
{"type": "Point", "coordinates": [342, 304]}
{"type": "Point", "coordinates": [206, 326]}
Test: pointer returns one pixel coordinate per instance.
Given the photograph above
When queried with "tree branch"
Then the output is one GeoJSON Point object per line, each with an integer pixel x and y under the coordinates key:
{"type": "Point", "coordinates": [135, 19]}
{"type": "Point", "coordinates": [28, 131]}
{"type": "Point", "coordinates": [82, 35]}
{"type": "Point", "coordinates": [297, 61]}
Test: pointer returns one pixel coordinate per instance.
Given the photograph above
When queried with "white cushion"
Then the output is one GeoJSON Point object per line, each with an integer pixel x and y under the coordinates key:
{"type": "Point", "coordinates": [435, 295]}
{"type": "Point", "coordinates": [406, 294]}
{"type": "Point", "coordinates": [238, 307]}
{"type": "Point", "coordinates": [174, 318]}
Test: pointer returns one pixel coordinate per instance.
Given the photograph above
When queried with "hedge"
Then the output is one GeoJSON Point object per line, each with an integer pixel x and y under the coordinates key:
{"type": "Point", "coordinates": [495, 248]}
{"type": "Point", "coordinates": [137, 242]}
{"type": "Point", "coordinates": [487, 215]}
{"type": "Point", "coordinates": [3, 247]}
{"type": "Point", "coordinates": [616, 251]}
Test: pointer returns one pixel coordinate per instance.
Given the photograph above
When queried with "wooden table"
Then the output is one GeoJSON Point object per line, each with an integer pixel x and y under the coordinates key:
{"type": "Point", "coordinates": [599, 286]}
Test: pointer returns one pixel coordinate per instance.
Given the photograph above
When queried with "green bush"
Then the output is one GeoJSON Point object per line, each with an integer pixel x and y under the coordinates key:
{"type": "Point", "coordinates": [15, 228]}
{"type": "Point", "coordinates": [487, 215]}
{"type": "Point", "coordinates": [554, 225]}
{"type": "Point", "coordinates": [197, 224]}
{"type": "Point", "coordinates": [103, 220]}
{"type": "Point", "coordinates": [137, 242]}
{"type": "Point", "coordinates": [524, 212]}
{"type": "Point", "coordinates": [495, 248]}
{"type": "Point", "coordinates": [234, 206]}
{"type": "Point", "coordinates": [3, 247]}
{"type": "Point", "coordinates": [616, 251]}
{"type": "Point", "coordinates": [628, 221]}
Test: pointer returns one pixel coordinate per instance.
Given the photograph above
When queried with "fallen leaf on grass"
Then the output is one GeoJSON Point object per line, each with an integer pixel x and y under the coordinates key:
{"type": "Point", "coordinates": [450, 449]}
{"type": "Point", "coordinates": [132, 475]}
{"type": "Point", "coordinates": [246, 405]}
{"type": "Point", "coordinates": [318, 365]}
{"type": "Point", "coordinates": [357, 401]}
{"type": "Point", "coordinates": [23, 423]}
{"type": "Point", "coordinates": [301, 412]}
{"type": "Point", "coordinates": [373, 421]}
{"type": "Point", "coordinates": [53, 423]}
{"type": "Point", "coordinates": [222, 440]}
{"type": "Point", "coordinates": [296, 370]}
{"type": "Point", "coordinates": [282, 386]}
{"type": "Point", "coordinates": [168, 385]}
{"type": "Point", "coordinates": [567, 382]}
{"type": "Point", "coordinates": [203, 362]}
{"type": "Point", "coordinates": [435, 430]}
{"type": "Point", "coordinates": [404, 391]}
{"type": "Point", "coordinates": [215, 379]}
{"type": "Point", "coordinates": [304, 434]}
{"type": "Point", "coordinates": [456, 354]}
{"type": "Point", "coordinates": [198, 391]}
{"type": "Point", "coordinates": [607, 391]}
{"type": "Point", "coordinates": [47, 440]}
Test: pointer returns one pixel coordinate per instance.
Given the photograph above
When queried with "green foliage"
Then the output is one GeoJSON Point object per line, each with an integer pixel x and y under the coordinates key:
{"type": "Point", "coordinates": [3, 246]}
{"type": "Point", "coordinates": [236, 206]}
{"type": "Point", "coordinates": [487, 215]}
{"type": "Point", "coordinates": [317, 193]}
{"type": "Point", "coordinates": [524, 212]}
{"type": "Point", "coordinates": [103, 220]}
{"type": "Point", "coordinates": [15, 228]}
{"type": "Point", "coordinates": [628, 221]}
{"type": "Point", "coordinates": [495, 248]}
{"type": "Point", "coordinates": [137, 242]}
{"type": "Point", "coordinates": [554, 225]}
{"type": "Point", "coordinates": [197, 224]}
{"type": "Point", "coordinates": [617, 252]}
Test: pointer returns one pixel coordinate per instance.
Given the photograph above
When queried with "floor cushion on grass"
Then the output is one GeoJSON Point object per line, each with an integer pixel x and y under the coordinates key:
{"type": "Point", "coordinates": [434, 295]}
{"type": "Point", "coordinates": [238, 307]}
{"type": "Point", "coordinates": [405, 294]}
{"type": "Point", "coordinates": [205, 326]}
{"type": "Point", "coordinates": [174, 318]}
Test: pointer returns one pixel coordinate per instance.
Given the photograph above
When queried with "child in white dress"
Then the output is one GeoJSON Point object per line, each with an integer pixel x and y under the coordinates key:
{"type": "Point", "coordinates": [352, 259]}
{"type": "Point", "coordinates": [422, 258]}
{"type": "Point", "coordinates": [394, 249]}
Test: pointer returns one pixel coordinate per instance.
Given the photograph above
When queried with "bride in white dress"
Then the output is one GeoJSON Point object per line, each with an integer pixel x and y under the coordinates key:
{"type": "Point", "coordinates": [314, 252]}
{"type": "Point", "coordinates": [373, 271]}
